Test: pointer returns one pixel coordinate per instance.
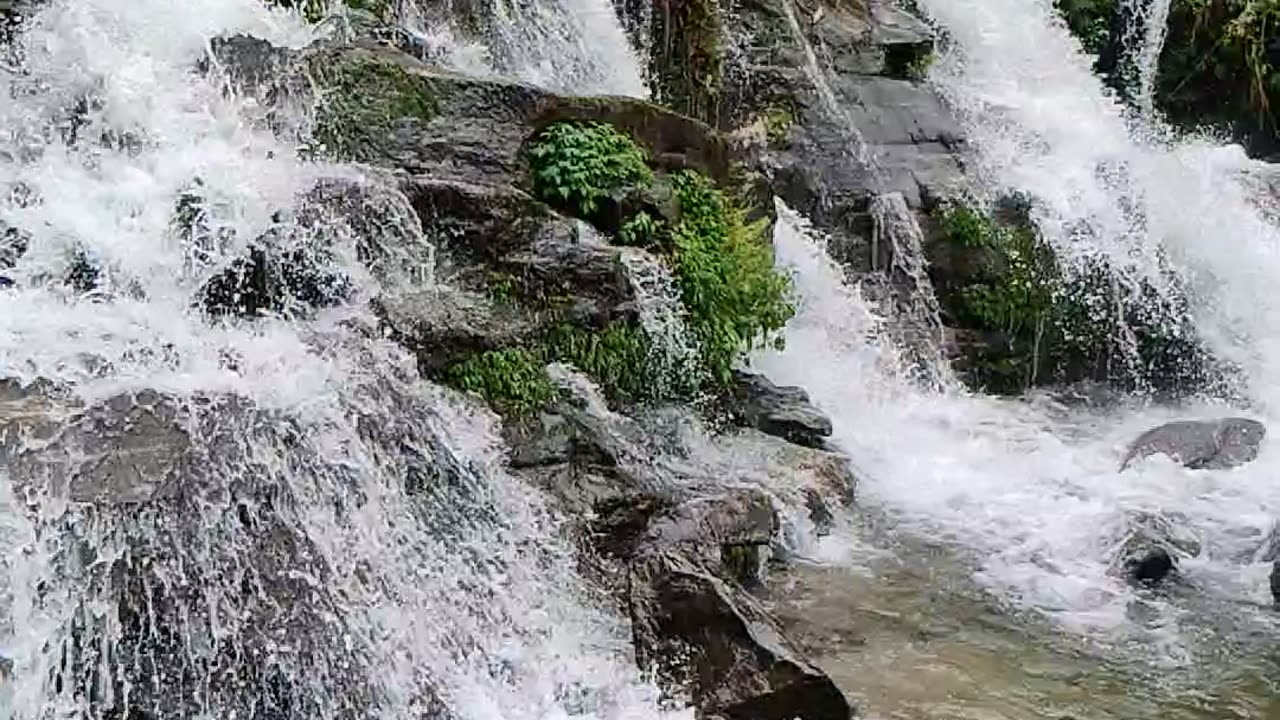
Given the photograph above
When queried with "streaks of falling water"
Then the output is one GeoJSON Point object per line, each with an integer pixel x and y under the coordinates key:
{"type": "Point", "coordinates": [570, 46]}
{"type": "Point", "coordinates": [1143, 41]}
{"type": "Point", "coordinates": [301, 527]}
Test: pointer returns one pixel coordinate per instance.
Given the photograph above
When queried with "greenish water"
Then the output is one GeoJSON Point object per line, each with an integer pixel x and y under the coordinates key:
{"type": "Point", "coordinates": [908, 641]}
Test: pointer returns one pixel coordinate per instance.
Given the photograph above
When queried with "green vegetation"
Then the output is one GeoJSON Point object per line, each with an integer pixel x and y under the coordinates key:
{"type": "Point", "coordinates": [640, 230]}
{"type": "Point", "coordinates": [918, 67]}
{"type": "Point", "coordinates": [1036, 321]}
{"type": "Point", "coordinates": [778, 121]}
{"type": "Point", "coordinates": [577, 166]}
{"type": "Point", "coordinates": [1019, 297]}
{"type": "Point", "coordinates": [513, 380]}
{"type": "Point", "coordinates": [687, 64]}
{"type": "Point", "coordinates": [619, 358]}
{"type": "Point", "coordinates": [362, 99]}
{"type": "Point", "coordinates": [723, 266]}
{"type": "Point", "coordinates": [735, 298]}
{"type": "Point", "coordinates": [1007, 295]}
{"type": "Point", "coordinates": [1218, 68]}
{"type": "Point", "coordinates": [1089, 20]}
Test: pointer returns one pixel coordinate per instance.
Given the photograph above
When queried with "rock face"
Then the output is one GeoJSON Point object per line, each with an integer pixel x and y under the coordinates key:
{"type": "Point", "coordinates": [1202, 444]}
{"type": "Point", "coordinates": [688, 540]}
{"type": "Point", "coordinates": [827, 95]}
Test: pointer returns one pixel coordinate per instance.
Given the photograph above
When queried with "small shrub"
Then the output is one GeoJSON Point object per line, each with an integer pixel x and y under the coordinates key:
{"type": "Point", "coordinates": [579, 165]}
{"type": "Point", "coordinates": [640, 230]}
{"type": "Point", "coordinates": [968, 227]}
{"type": "Point", "coordinates": [617, 358]}
{"type": "Point", "coordinates": [735, 298]}
{"type": "Point", "coordinates": [513, 380]}
{"type": "Point", "coordinates": [778, 121]}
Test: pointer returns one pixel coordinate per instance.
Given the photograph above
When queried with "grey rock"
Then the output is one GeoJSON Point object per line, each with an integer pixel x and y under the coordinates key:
{"type": "Point", "coordinates": [703, 633]}
{"type": "Point", "coordinates": [1202, 444]}
{"type": "Point", "coordinates": [1275, 581]}
{"type": "Point", "coordinates": [781, 411]}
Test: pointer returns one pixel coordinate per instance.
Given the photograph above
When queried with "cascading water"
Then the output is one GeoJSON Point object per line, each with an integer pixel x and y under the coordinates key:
{"type": "Point", "coordinates": [1146, 23]}
{"type": "Point", "coordinates": [571, 46]}
{"type": "Point", "coordinates": [345, 541]}
{"type": "Point", "coordinates": [1028, 490]}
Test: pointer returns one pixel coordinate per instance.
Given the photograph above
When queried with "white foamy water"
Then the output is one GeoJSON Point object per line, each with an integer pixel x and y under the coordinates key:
{"type": "Point", "coordinates": [569, 46]}
{"type": "Point", "coordinates": [1026, 490]}
{"type": "Point", "coordinates": [346, 541]}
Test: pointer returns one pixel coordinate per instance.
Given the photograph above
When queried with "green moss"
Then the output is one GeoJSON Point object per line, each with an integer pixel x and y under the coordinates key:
{"type": "Point", "coordinates": [364, 98]}
{"type": "Point", "coordinates": [778, 121]}
{"type": "Point", "coordinates": [512, 380]}
{"type": "Point", "coordinates": [578, 166]}
{"type": "Point", "coordinates": [735, 298]}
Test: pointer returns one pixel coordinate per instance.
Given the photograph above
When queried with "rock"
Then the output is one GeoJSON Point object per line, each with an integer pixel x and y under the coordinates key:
{"type": "Point", "coordinates": [1275, 581]}
{"type": "Point", "coordinates": [1151, 546]}
{"type": "Point", "coordinates": [781, 411]}
{"type": "Point", "coordinates": [700, 632]}
{"type": "Point", "coordinates": [509, 270]}
{"type": "Point", "coordinates": [830, 136]}
{"type": "Point", "coordinates": [1202, 444]}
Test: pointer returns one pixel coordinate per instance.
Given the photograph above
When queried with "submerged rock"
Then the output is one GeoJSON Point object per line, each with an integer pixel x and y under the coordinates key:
{"type": "Point", "coordinates": [1151, 546]}
{"type": "Point", "coordinates": [1202, 444]}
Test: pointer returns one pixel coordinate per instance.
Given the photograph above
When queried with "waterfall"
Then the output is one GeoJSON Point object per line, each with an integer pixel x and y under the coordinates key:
{"type": "Point", "coordinates": [222, 517]}
{"type": "Point", "coordinates": [569, 46]}
{"type": "Point", "coordinates": [1144, 40]}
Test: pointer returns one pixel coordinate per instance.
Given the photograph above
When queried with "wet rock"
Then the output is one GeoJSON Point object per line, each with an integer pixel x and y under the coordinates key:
{"type": "Point", "coordinates": [267, 280]}
{"type": "Point", "coordinates": [1202, 444]}
{"type": "Point", "coordinates": [509, 271]}
{"type": "Point", "coordinates": [1151, 546]}
{"type": "Point", "coordinates": [781, 411]}
{"type": "Point", "coordinates": [1275, 581]}
{"type": "Point", "coordinates": [705, 634]}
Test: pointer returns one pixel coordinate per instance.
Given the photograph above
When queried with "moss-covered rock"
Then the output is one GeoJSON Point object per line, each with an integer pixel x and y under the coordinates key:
{"type": "Point", "coordinates": [1024, 319]}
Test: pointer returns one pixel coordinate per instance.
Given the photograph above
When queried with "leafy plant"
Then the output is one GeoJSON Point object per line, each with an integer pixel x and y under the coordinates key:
{"type": "Point", "coordinates": [618, 358]}
{"type": "Point", "coordinates": [778, 120]}
{"type": "Point", "coordinates": [512, 379]}
{"type": "Point", "coordinates": [640, 230]}
{"type": "Point", "coordinates": [579, 165]}
{"type": "Point", "coordinates": [735, 298]}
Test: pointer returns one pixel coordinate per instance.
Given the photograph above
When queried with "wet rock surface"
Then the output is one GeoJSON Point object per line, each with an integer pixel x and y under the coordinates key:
{"type": "Point", "coordinates": [785, 412]}
{"type": "Point", "coordinates": [690, 541]}
{"type": "Point", "coordinates": [1202, 444]}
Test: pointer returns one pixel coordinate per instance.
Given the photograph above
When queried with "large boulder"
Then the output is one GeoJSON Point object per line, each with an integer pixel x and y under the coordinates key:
{"type": "Point", "coordinates": [781, 411]}
{"type": "Point", "coordinates": [688, 537]}
{"type": "Point", "coordinates": [731, 654]}
{"type": "Point", "coordinates": [1201, 444]}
